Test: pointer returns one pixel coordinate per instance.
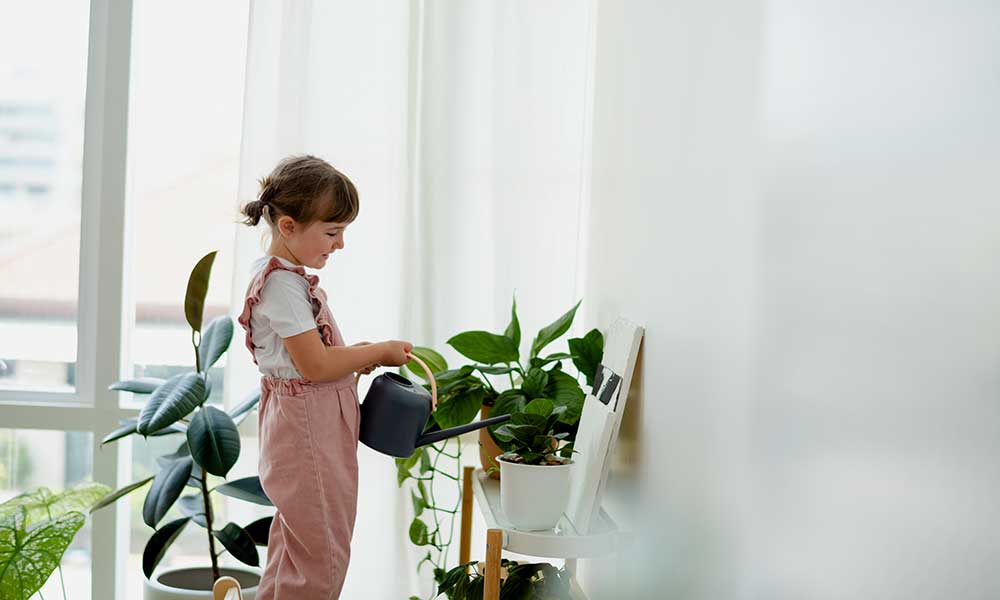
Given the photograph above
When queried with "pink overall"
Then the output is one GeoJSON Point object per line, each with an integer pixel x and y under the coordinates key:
{"type": "Point", "coordinates": [308, 466]}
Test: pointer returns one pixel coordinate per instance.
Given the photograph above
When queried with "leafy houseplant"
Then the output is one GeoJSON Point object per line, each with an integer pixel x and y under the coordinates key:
{"type": "Point", "coordinates": [531, 435]}
{"type": "Point", "coordinates": [535, 581]}
{"type": "Point", "coordinates": [463, 392]}
{"type": "Point", "coordinates": [211, 445]}
{"type": "Point", "coordinates": [473, 388]}
{"type": "Point", "coordinates": [535, 486]}
{"type": "Point", "coordinates": [36, 528]}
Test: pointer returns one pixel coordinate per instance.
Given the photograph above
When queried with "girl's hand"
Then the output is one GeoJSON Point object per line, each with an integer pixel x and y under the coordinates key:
{"type": "Point", "coordinates": [396, 353]}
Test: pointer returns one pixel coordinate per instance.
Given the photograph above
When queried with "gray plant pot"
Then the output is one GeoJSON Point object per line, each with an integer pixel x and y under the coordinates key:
{"type": "Point", "coordinates": [195, 583]}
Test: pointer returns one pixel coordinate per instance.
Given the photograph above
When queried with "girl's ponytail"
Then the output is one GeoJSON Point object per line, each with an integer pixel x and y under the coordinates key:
{"type": "Point", "coordinates": [254, 210]}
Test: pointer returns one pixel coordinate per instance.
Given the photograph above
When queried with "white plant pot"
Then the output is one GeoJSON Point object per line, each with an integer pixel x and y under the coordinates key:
{"type": "Point", "coordinates": [533, 497]}
{"type": "Point", "coordinates": [195, 583]}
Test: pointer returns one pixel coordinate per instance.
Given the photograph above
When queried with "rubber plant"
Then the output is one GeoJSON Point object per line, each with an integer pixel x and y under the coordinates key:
{"type": "Point", "coordinates": [36, 528]}
{"type": "Point", "coordinates": [495, 360]}
{"type": "Point", "coordinates": [210, 445]}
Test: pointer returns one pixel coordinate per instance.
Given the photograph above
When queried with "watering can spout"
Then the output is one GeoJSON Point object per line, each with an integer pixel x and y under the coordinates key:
{"type": "Point", "coordinates": [437, 436]}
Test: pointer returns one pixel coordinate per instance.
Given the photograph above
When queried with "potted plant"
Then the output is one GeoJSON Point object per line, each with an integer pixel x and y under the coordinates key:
{"type": "Point", "coordinates": [36, 528]}
{"type": "Point", "coordinates": [536, 581]}
{"type": "Point", "coordinates": [467, 391]}
{"type": "Point", "coordinates": [210, 447]}
{"type": "Point", "coordinates": [535, 471]}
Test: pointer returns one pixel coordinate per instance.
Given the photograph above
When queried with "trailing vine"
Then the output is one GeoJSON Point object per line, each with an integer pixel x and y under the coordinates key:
{"type": "Point", "coordinates": [419, 472]}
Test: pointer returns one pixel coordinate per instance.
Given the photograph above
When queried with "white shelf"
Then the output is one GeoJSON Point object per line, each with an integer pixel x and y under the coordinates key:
{"type": "Point", "coordinates": [561, 542]}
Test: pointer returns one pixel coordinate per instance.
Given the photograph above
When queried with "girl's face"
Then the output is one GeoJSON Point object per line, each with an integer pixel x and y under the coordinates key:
{"type": "Point", "coordinates": [314, 243]}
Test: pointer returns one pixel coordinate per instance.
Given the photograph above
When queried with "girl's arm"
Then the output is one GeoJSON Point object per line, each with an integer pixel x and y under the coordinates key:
{"type": "Point", "coordinates": [318, 362]}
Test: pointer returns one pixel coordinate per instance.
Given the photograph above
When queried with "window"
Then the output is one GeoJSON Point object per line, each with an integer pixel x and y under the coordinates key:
{"type": "Point", "coordinates": [74, 269]}
{"type": "Point", "coordinates": [42, 97]}
{"type": "Point", "coordinates": [184, 150]}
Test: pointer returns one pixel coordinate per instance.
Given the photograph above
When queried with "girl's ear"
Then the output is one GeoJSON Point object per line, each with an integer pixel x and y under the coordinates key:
{"type": "Point", "coordinates": [286, 225]}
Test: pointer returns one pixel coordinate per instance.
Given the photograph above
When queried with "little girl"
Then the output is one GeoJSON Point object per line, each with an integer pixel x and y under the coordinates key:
{"type": "Point", "coordinates": [309, 414]}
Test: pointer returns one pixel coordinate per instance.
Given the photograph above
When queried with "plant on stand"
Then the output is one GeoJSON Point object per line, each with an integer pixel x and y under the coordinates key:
{"type": "Point", "coordinates": [497, 382]}
{"type": "Point", "coordinates": [535, 471]}
{"type": "Point", "coordinates": [535, 581]}
{"type": "Point", "coordinates": [210, 447]}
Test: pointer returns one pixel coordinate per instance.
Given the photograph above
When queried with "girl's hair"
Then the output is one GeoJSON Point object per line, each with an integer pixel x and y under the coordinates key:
{"type": "Point", "coordinates": [307, 189]}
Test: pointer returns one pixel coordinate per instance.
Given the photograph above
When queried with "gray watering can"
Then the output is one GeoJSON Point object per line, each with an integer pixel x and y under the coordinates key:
{"type": "Point", "coordinates": [396, 410]}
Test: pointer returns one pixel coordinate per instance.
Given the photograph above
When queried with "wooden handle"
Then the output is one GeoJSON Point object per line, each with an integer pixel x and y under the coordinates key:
{"type": "Point", "coordinates": [226, 588]}
{"type": "Point", "coordinates": [430, 377]}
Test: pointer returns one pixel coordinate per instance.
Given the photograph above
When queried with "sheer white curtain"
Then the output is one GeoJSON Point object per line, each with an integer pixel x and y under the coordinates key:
{"type": "Point", "coordinates": [464, 127]}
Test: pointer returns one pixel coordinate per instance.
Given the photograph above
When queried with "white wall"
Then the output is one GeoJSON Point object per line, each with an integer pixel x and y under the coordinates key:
{"type": "Point", "coordinates": [672, 246]}
{"type": "Point", "coordinates": [877, 417]}
{"type": "Point", "coordinates": [798, 199]}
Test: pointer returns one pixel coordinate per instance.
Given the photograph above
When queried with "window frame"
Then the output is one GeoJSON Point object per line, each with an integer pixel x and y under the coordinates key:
{"type": "Point", "coordinates": [104, 306]}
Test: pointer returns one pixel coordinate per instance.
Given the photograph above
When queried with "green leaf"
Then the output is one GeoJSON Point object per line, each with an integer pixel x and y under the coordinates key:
{"type": "Point", "coordinates": [551, 332]}
{"type": "Point", "coordinates": [402, 473]}
{"type": "Point", "coordinates": [564, 390]}
{"type": "Point", "coordinates": [260, 530]}
{"type": "Point", "coordinates": [496, 370]}
{"type": "Point", "coordinates": [539, 406]}
{"type": "Point", "coordinates": [460, 408]}
{"type": "Point", "coordinates": [587, 353]}
{"type": "Point", "coordinates": [175, 428]}
{"type": "Point", "coordinates": [171, 401]}
{"type": "Point", "coordinates": [418, 504]}
{"type": "Point", "coordinates": [453, 375]}
{"type": "Point", "coordinates": [435, 362]}
{"type": "Point", "coordinates": [239, 543]}
{"type": "Point", "coordinates": [527, 418]}
{"type": "Point", "coordinates": [43, 505]}
{"type": "Point", "coordinates": [485, 347]}
{"type": "Point", "coordinates": [247, 488]}
{"type": "Point", "coordinates": [115, 495]}
{"type": "Point", "coordinates": [541, 362]}
{"type": "Point", "coordinates": [534, 383]}
{"type": "Point", "coordinates": [197, 289]}
{"type": "Point", "coordinates": [513, 330]}
{"type": "Point", "coordinates": [509, 402]}
{"type": "Point", "coordinates": [567, 450]}
{"type": "Point", "coordinates": [418, 532]}
{"type": "Point", "coordinates": [142, 385]}
{"type": "Point", "coordinates": [127, 429]}
{"type": "Point", "coordinates": [158, 543]}
{"type": "Point", "coordinates": [214, 341]}
{"type": "Point", "coordinates": [28, 558]}
{"type": "Point", "coordinates": [193, 506]}
{"type": "Point", "coordinates": [214, 440]}
{"type": "Point", "coordinates": [423, 492]}
{"type": "Point", "coordinates": [167, 487]}
{"type": "Point", "coordinates": [425, 461]}
{"type": "Point", "coordinates": [451, 580]}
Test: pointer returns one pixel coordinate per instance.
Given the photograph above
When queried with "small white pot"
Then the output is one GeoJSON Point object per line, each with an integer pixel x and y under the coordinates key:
{"type": "Point", "coordinates": [533, 497]}
{"type": "Point", "coordinates": [195, 583]}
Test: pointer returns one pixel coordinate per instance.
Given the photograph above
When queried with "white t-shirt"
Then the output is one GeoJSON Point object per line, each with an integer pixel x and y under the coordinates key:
{"type": "Point", "coordinates": [284, 310]}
